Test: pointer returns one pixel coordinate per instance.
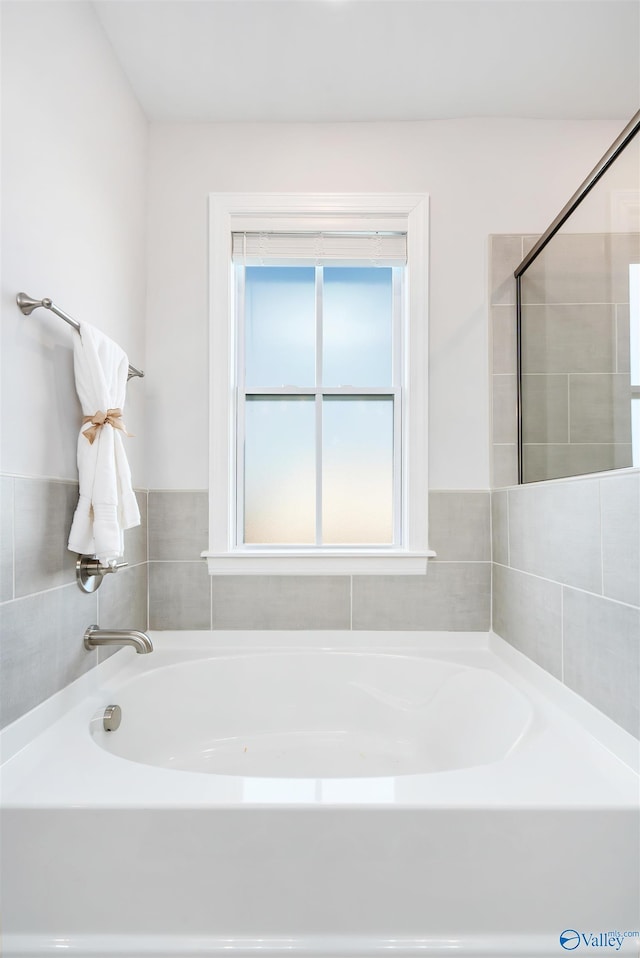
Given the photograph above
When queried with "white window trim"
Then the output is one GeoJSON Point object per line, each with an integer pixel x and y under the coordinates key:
{"type": "Point", "coordinates": [232, 212]}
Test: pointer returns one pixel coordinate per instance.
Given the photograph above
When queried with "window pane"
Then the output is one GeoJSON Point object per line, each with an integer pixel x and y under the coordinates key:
{"type": "Point", "coordinates": [357, 326]}
{"type": "Point", "coordinates": [280, 337]}
{"type": "Point", "coordinates": [357, 471]}
{"type": "Point", "coordinates": [279, 469]}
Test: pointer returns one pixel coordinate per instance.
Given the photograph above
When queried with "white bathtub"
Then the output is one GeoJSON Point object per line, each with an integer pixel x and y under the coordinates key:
{"type": "Point", "coordinates": [323, 714]}
{"type": "Point", "coordinates": [328, 794]}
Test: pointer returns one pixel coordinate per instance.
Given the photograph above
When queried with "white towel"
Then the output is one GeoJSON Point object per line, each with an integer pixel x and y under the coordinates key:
{"type": "Point", "coordinates": [107, 503]}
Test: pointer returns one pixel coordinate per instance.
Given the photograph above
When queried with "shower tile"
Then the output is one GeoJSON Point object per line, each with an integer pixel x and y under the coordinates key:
{"type": "Point", "coordinates": [459, 525]}
{"type": "Point", "coordinates": [505, 404]}
{"type": "Point", "coordinates": [453, 596]}
{"type": "Point", "coordinates": [281, 602]}
{"type": "Point", "coordinates": [505, 253]}
{"type": "Point", "coordinates": [599, 409]}
{"type": "Point", "coordinates": [620, 503]}
{"type": "Point", "coordinates": [602, 655]}
{"type": "Point", "coordinates": [574, 268]}
{"type": "Point", "coordinates": [622, 339]}
{"type": "Point", "coordinates": [41, 649]}
{"type": "Point", "coordinates": [6, 538]}
{"type": "Point", "coordinates": [624, 250]}
{"type": "Point", "coordinates": [26, 673]}
{"type": "Point", "coordinates": [178, 523]}
{"type": "Point", "coordinates": [568, 339]}
{"type": "Point", "coordinates": [135, 540]}
{"type": "Point", "coordinates": [545, 408]}
{"type": "Point", "coordinates": [505, 465]}
{"type": "Point", "coordinates": [179, 595]}
{"type": "Point", "coordinates": [503, 339]}
{"type": "Point", "coordinates": [573, 459]}
{"type": "Point", "coordinates": [43, 513]}
{"type": "Point", "coordinates": [122, 599]}
{"type": "Point", "coordinates": [544, 461]}
{"type": "Point", "coordinates": [527, 613]}
{"type": "Point", "coordinates": [75, 612]}
{"type": "Point", "coordinates": [554, 531]}
{"type": "Point", "coordinates": [500, 527]}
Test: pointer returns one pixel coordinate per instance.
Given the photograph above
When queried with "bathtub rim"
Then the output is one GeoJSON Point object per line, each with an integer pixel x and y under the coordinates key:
{"type": "Point", "coordinates": [33, 780]}
{"type": "Point", "coordinates": [524, 945]}
{"type": "Point", "coordinates": [19, 734]}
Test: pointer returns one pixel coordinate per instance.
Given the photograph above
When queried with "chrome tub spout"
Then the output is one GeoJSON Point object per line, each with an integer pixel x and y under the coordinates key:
{"type": "Point", "coordinates": [95, 637]}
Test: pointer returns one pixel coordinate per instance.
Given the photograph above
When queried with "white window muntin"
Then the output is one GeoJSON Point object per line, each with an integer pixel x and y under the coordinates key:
{"type": "Point", "coordinates": [394, 392]}
{"type": "Point", "coordinates": [401, 212]}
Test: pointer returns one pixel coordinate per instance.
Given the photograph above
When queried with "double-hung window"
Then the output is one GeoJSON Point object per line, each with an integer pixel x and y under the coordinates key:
{"type": "Point", "coordinates": [318, 384]}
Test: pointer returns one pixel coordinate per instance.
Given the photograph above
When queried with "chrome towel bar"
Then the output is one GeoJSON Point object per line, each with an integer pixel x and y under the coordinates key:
{"type": "Point", "coordinates": [27, 305]}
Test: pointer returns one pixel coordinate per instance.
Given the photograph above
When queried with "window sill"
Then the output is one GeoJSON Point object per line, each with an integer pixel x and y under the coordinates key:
{"type": "Point", "coordinates": [313, 563]}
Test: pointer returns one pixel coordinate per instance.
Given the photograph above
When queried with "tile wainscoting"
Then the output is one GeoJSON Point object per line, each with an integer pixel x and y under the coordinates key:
{"type": "Point", "coordinates": [43, 615]}
{"type": "Point", "coordinates": [454, 595]}
{"type": "Point", "coordinates": [566, 584]}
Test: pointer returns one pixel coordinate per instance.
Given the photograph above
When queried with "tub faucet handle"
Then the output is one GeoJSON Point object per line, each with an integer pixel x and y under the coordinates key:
{"type": "Point", "coordinates": [90, 571]}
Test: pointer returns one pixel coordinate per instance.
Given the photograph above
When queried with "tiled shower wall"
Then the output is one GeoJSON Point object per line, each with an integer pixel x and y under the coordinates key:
{"type": "Point", "coordinates": [566, 584]}
{"type": "Point", "coordinates": [566, 553]}
{"type": "Point", "coordinates": [454, 595]}
{"type": "Point", "coordinates": [575, 383]}
{"type": "Point", "coordinates": [505, 253]}
{"type": "Point", "coordinates": [576, 379]}
{"type": "Point", "coordinates": [43, 613]}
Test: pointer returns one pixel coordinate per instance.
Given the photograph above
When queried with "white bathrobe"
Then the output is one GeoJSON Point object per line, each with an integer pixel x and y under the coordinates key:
{"type": "Point", "coordinates": [107, 504]}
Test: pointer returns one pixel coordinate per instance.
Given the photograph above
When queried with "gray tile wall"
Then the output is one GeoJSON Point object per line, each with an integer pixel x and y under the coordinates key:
{"type": "Point", "coordinates": [505, 252]}
{"type": "Point", "coordinates": [454, 595]}
{"type": "Point", "coordinates": [566, 567]}
{"type": "Point", "coordinates": [566, 584]}
{"type": "Point", "coordinates": [43, 614]}
{"type": "Point", "coordinates": [575, 327]}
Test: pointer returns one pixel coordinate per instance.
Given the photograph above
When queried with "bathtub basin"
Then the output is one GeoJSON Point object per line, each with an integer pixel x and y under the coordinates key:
{"type": "Point", "coordinates": [317, 715]}
{"type": "Point", "coordinates": [333, 794]}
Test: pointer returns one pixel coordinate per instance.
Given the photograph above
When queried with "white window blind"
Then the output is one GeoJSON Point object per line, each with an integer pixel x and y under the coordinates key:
{"type": "Point", "coordinates": [319, 249]}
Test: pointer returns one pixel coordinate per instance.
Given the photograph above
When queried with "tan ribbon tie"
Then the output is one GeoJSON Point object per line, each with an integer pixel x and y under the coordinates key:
{"type": "Point", "coordinates": [98, 420]}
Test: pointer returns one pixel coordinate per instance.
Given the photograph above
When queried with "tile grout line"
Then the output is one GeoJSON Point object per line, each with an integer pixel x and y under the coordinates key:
{"type": "Point", "coordinates": [568, 585]}
{"type": "Point", "coordinates": [55, 588]}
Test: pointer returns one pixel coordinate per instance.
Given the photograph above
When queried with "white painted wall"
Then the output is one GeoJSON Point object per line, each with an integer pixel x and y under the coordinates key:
{"type": "Point", "coordinates": [74, 169]}
{"type": "Point", "coordinates": [484, 176]}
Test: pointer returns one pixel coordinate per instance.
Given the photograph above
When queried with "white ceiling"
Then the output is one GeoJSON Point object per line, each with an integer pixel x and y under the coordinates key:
{"type": "Point", "coordinates": [335, 60]}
